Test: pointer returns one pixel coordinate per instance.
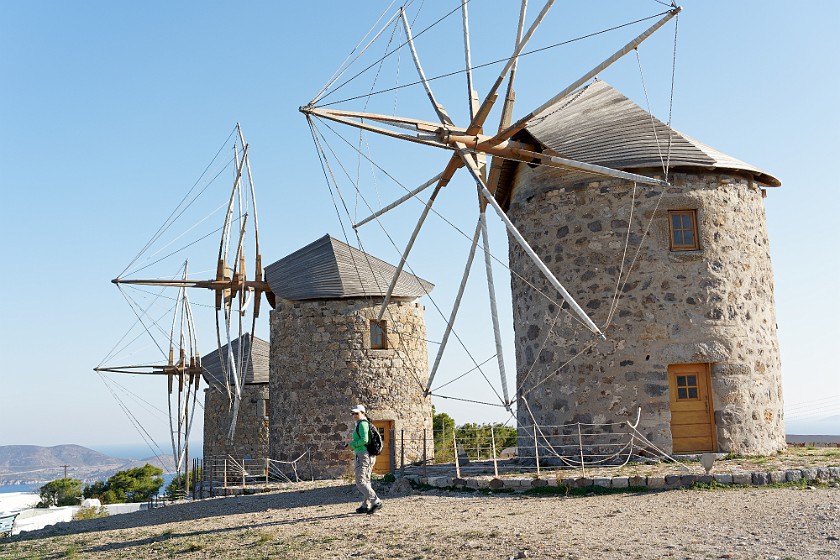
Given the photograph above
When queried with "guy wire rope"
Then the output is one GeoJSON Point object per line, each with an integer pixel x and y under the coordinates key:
{"type": "Point", "coordinates": [325, 95]}
{"type": "Point", "coordinates": [491, 63]}
{"type": "Point", "coordinates": [311, 124]}
{"type": "Point", "coordinates": [170, 220]}
{"type": "Point", "coordinates": [322, 154]}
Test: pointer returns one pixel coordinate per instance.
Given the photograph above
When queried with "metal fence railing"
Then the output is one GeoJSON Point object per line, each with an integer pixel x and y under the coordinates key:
{"type": "Point", "coordinates": [467, 450]}
{"type": "Point", "coordinates": [218, 474]}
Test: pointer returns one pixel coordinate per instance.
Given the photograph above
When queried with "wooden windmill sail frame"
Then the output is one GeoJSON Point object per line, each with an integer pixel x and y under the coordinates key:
{"type": "Point", "coordinates": [238, 297]}
{"type": "Point", "coordinates": [471, 146]}
{"type": "Point", "coordinates": [184, 367]}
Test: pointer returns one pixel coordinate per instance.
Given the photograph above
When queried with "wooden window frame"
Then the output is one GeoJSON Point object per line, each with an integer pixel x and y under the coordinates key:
{"type": "Point", "coordinates": [687, 386]}
{"type": "Point", "coordinates": [693, 228]}
{"type": "Point", "coordinates": [383, 329]}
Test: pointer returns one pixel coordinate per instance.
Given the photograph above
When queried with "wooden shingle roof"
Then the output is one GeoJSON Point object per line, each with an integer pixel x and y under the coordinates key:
{"type": "Point", "coordinates": [330, 269]}
{"type": "Point", "coordinates": [257, 370]}
{"type": "Point", "coordinates": [598, 124]}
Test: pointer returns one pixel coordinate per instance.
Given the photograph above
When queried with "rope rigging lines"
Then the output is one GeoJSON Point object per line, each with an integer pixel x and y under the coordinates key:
{"type": "Point", "coordinates": [333, 184]}
{"type": "Point", "coordinates": [471, 154]}
{"type": "Point", "coordinates": [336, 191]}
{"type": "Point", "coordinates": [470, 68]}
{"type": "Point", "coordinates": [180, 208]}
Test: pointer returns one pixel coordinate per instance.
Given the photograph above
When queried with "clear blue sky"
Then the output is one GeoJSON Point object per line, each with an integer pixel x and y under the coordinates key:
{"type": "Point", "coordinates": [110, 111]}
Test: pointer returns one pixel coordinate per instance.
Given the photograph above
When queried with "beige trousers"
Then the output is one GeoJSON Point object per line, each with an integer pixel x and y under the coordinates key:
{"type": "Point", "coordinates": [364, 468]}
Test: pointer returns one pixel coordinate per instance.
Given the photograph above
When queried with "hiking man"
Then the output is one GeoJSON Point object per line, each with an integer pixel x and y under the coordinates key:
{"type": "Point", "coordinates": [363, 460]}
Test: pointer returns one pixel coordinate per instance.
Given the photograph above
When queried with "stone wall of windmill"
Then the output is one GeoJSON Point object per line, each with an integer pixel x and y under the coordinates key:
{"type": "Point", "coordinates": [251, 436]}
{"type": "Point", "coordinates": [696, 300]}
{"type": "Point", "coordinates": [324, 358]}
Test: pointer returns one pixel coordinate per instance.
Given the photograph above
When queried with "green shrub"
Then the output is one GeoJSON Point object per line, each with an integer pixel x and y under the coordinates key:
{"type": "Point", "coordinates": [90, 513]}
{"type": "Point", "coordinates": [475, 439]}
{"type": "Point", "coordinates": [132, 485]}
{"type": "Point", "coordinates": [61, 492]}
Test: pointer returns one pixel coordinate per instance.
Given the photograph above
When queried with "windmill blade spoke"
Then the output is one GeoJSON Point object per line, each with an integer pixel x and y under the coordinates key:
{"type": "Point", "coordinates": [522, 123]}
{"type": "Point", "coordinates": [225, 243]}
{"type": "Point", "coordinates": [510, 95]}
{"type": "Point", "coordinates": [427, 134]}
{"type": "Point", "coordinates": [399, 201]}
{"type": "Point", "coordinates": [439, 110]}
{"type": "Point", "coordinates": [407, 250]}
{"type": "Point", "coordinates": [466, 157]}
{"type": "Point", "coordinates": [455, 306]}
{"type": "Point", "coordinates": [483, 111]}
{"type": "Point", "coordinates": [472, 96]}
{"type": "Point", "coordinates": [507, 108]}
{"type": "Point", "coordinates": [494, 313]}
{"type": "Point", "coordinates": [253, 207]}
{"type": "Point", "coordinates": [134, 369]}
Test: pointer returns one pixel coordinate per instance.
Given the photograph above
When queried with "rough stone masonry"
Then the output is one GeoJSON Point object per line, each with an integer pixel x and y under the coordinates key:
{"type": "Point", "coordinates": [322, 364]}
{"type": "Point", "coordinates": [251, 436]}
{"type": "Point", "coordinates": [714, 305]}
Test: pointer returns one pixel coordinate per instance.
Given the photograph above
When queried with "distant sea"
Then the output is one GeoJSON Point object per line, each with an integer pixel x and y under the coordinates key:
{"type": "Point", "coordinates": [19, 488]}
{"type": "Point", "coordinates": [136, 450]}
{"type": "Point", "coordinates": [10, 488]}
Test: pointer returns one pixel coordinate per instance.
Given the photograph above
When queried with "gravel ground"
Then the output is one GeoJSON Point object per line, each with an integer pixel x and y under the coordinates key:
{"type": "Point", "coordinates": [317, 523]}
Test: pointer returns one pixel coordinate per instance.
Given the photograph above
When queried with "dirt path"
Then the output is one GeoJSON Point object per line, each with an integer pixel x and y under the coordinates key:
{"type": "Point", "coordinates": [316, 523]}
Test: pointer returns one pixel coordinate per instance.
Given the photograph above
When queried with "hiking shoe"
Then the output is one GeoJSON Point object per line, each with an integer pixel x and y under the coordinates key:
{"type": "Point", "coordinates": [363, 509]}
{"type": "Point", "coordinates": [375, 507]}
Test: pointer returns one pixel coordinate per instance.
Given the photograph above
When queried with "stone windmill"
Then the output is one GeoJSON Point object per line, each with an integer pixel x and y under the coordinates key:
{"type": "Point", "coordinates": [693, 341]}
{"type": "Point", "coordinates": [252, 427]}
{"type": "Point", "coordinates": [331, 349]}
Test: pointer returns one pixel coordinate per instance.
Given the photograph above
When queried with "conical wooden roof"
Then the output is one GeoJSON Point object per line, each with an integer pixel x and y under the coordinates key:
{"type": "Point", "coordinates": [257, 370]}
{"type": "Point", "coordinates": [598, 124]}
{"type": "Point", "coordinates": [330, 269]}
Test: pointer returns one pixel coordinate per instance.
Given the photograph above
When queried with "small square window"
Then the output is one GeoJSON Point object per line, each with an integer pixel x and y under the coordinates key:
{"type": "Point", "coordinates": [682, 225]}
{"type": "Point", "coordinates": [687, 387]}
{"type": "Point", "coordinates": [378, 335]}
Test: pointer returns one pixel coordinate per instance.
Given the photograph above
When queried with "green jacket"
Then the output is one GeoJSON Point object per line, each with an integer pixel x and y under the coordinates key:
{"type": "Point", "coordinates": [360, 436]}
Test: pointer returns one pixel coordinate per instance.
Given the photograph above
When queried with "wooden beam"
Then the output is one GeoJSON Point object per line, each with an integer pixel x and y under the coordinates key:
{"type": "Point", "coordinates": [441, 112]}
{"type": "Point", "coordinates": [523, 122]}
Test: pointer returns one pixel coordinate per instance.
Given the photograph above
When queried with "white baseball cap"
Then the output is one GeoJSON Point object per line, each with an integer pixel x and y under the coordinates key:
{"type": "Point", "coordinates": [359, 408]}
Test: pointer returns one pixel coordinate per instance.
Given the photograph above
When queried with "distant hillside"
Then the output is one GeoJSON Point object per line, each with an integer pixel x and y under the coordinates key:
{"type": "Point", "coordinates": [34, 456]}
{"type": "Point", "coordinates": [32, 464]}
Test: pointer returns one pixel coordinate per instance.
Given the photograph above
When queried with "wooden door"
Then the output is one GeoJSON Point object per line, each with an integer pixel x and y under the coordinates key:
{"type": "Point", "coordinates": [692, 418]}
{"type": "Point", "coordinates": [383, 461]}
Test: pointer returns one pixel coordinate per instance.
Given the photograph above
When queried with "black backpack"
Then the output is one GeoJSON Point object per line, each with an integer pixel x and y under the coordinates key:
{"type": "Point", "coordinates": [374, 444]}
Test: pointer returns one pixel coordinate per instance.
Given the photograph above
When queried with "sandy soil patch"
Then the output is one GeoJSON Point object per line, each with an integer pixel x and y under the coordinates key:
{"type": "Point", "coordinates": [316, 522]}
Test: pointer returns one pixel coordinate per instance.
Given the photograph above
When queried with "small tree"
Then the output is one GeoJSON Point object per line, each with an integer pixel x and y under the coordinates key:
{"type": "Point", "coordinates": [95, 490]}
{"type": "Point", "coordinates": [61, 492]}
{"type": "Point", "coordinates": [132, 485]}
{"type": "Point", "coordinates": [474, 437]}
{"type": "Point", "coordinates": [442, 427]}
